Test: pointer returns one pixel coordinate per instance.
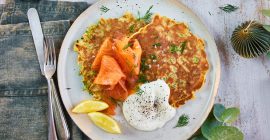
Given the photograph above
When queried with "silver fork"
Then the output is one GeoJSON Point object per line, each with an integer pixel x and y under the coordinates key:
{"type": "Point", "coordinates": [49, 70]}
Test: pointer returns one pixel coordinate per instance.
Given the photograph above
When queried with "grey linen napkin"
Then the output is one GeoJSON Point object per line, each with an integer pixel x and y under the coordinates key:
{"type": "Point", "coordinates": [23, 90]}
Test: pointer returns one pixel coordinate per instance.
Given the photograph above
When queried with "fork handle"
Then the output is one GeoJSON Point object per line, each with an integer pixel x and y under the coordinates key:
{"type": "Point", "coordinates": [51, 129]}
{"type": "Point", "coordinates": [58, 110]}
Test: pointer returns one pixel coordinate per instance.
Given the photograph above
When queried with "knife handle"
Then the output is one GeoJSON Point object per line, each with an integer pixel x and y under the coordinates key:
{"type": "Point", "coordinates": [59, 115]}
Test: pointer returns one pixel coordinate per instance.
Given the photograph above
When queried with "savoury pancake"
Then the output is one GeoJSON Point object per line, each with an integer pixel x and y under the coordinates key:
{"type": "Point", "coordinates": [167, 50]}
{"type": "Point", "coordinates": [171, 52]}
{"type": "Point", "coordinates": [88, 46]}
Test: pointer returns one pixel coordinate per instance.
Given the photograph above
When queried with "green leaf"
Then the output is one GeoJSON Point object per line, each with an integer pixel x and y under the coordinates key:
{"type": "Point", "coordinates": [104, 9]}
{"type": "Point", "coordinates": [268, 54]}
{"type": "Point", "coordinates": [230, 115]}
{"type": "Point", "coordinates": [208, 125]}
{"type": "Point", "coordinates": [266, 12]}
{"type": "Point", "coordinates": [218, 110]}
{"type": "Point", "coordinates": [200, 137]}
{"type": "Point", "coordinates": [182, 121]}
{"type": "Point", "coordinates": [267, 27]}
{"type": "Point", "coordinates": [226, 133]}
{"type": "Point", "coordinates": [228, 8]}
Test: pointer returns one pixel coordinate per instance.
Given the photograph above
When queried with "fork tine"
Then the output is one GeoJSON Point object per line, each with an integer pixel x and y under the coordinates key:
{"type": "Point", "coordinates": [53, 51]}
{"type": "Point", "coordinates": [45, 51]}
{"type": "Point", "coordinates": [54, 54]}
{"type": "Point", "coordinates": [50, 51]}
{"type": "Point", "coordinates": [50, 54]}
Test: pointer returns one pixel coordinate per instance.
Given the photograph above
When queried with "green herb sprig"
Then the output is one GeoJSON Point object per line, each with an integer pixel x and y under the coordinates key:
{"type": "Point", "coordinates": [174, 48]}
{"type": "Point", "coordinates": [153, 56]}
{"type": "Point", "coordinates": [139, 91]}
{"type": "Point", "coordinates": [156, 45]}
{"type": "Point", "coordinates": [218, 125]}
{"type": "Point", "coordinates": [104, 9]}
{"type": "Point", "coordinates": [182, 121]}
{"type": "Point", "coordinates": [127, 46]}
{"type": "Point", "coordinates": [132, 28]}
{"type": "Point", "coordinates": [144, 66]}
{"type": "Point", "coordinates": [196, 60]}
{"type": "Point", "coordinates": [229, 8]}
{"type": "Point", "coordinates": [147, 16]}
{"type": "Point", "coordinates": [142, 78]}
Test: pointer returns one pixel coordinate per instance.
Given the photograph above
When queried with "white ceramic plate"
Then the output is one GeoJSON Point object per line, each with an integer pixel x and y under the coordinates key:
{"type": "Point", "coordinates": [71, 87]}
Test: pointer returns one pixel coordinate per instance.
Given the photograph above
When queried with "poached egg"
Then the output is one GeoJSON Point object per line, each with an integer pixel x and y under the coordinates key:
{"type": "Point", "coordinates": [149, 108]}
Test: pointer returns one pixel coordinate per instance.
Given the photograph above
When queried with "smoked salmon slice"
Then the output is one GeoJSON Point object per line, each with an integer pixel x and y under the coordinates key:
{"type": "Point", "coordinates": [118, 65]}
{"type": "Point", "coordinates": [119, 92]}
{"type": "Point", "coordinates": [105, 49]}
{"type": "Point", "coordinates": [110, 73]}
{"type": "Point", "coordinates": [112, 104]}
{"type": "Point", "coordinates": [128, 55]}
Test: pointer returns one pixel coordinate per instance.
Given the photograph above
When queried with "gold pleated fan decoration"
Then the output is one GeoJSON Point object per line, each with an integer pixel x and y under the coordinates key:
{"type": "Point", "coordinates": [250, 39]}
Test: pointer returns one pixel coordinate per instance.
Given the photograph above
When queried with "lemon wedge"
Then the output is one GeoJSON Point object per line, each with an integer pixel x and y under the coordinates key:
{"type": "Point", "coordinates": [90, 106]}
{"type": "Point", "coordinates": [105, 122]}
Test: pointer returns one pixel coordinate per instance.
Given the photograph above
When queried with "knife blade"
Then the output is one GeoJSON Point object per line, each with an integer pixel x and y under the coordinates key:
{"type": "Point", "coordinates": [37, 34]}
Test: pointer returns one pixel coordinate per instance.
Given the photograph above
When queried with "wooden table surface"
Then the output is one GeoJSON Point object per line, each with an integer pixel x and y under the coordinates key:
{"type": "Point", "coordinates": [245, 83]}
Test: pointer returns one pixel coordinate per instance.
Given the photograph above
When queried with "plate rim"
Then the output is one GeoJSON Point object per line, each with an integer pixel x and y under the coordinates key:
{"type": "Point", "coordinates": [216, 79]}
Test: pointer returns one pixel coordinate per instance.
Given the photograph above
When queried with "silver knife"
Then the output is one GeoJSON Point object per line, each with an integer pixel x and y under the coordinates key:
{"type": "Point", "coordinates": [38, 38]}
{"type": "Point", "coordinates": [37, 34]}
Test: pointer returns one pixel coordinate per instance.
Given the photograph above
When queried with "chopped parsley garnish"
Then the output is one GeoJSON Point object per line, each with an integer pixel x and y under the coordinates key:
{"type": "Point", "coordinates": [182, 121]}
{"type": "Point", "coordinates": [157, 45]}
{"type": "Point", "coordinates": [144, 66]}
{"type": "Point", "coordinates": [196, 60]}
{"type": "Point", "coordinates": [183, 35]}
{"type": "Point", "coordinates": [132, 28]}
{"type": "Point", "coordinates": [142, 78]}
{"type": "Point", "coordinates": [147, 16]}
{"type": "Point", "coordinates": [139, 90]}
{"type": "Point", "coordinates": [104, 9]}
{"type": "Point", "coordinates": [229, 8]}
{"type": "Point", "coordinates": [127, 46]}
{"type": "Point", "coordinates": [153, 56]}
{"type": "Point", "coordinates": [93, 73]}
{"type": "Point", "coordinates": [174, 48]}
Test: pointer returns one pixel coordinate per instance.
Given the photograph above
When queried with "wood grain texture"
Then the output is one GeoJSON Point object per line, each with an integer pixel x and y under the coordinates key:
{"type": "Point", "coordinates": [245, 83]}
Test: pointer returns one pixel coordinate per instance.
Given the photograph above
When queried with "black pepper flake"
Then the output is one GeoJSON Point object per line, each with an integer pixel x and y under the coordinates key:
{"type": "Point", "coordinates": [68, 88]}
